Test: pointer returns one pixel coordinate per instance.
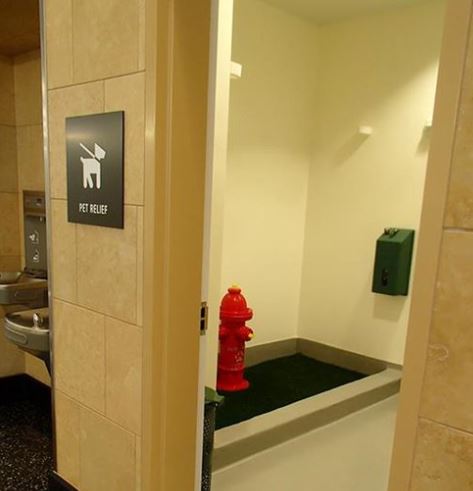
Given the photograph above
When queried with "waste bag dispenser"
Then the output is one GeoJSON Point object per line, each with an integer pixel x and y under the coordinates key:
{"type": "Point", "coordinates": [392, 266]}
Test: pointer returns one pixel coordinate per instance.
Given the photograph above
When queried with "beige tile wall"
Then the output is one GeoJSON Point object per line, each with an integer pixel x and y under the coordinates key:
{"type": "Point", "coordinates": [7, 102]}
{"type": "Point", "coordinates": [29, 149]}
{"type": "Point", "coordinates": [9, 214]}
{"type": "Point", "coordinates": [29, 130]}
{"type": "Point", "coordinates": [12, 360]}
{"type": "Point", "coordinates": [21, 168]}
{"type": "Point", "coordinates": [444, 451]}
{"type": "Point", "coordinates": [95, 55]}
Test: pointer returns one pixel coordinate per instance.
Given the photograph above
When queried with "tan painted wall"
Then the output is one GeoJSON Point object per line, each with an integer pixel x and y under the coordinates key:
{"type": "Point", "coordinates": [378, 70]}
{"type": "Point", "coordinates": [295, 161]}
{"type": "Point", "coordinates": [219, 106]}
{"type": "Point", "coordinates": [433, 448]}
{"type": "Point", "coordinates": [95, 57]}
{"type": "Point", "coordinates": [269, 150]}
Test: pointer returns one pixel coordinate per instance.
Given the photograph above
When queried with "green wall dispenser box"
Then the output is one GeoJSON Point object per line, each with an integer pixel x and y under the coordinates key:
{"type": "Point", "coordinates": [392, 265]}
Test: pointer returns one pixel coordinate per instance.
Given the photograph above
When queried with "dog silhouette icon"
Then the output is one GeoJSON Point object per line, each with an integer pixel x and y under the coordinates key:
{"type": "Point", "coordinates": [92, 166]}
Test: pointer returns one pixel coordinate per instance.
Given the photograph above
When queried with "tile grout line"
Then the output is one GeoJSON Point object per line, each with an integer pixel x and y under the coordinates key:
{"type": "Point", "coordinates": [76, 302]}
{"type": "Point", "coordinates": [95, 412]}
{"type": "Point", "coordinates": [458, 229]}
{"type": "Point", "coordinates": [93, 311]}
{"type": "Point", "coordinates": [138, 275]}
{"type": "Point", "coordinates": [105, 378]}
{"type": "Point", "coordinates": [28, 125]}
{"type": "Point", "coordinates": [447, 426]}
{"type": "Point", "coordinates": [94, 81]}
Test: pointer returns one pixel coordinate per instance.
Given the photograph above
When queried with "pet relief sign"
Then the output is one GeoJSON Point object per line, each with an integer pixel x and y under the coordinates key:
{"type": "Point", "coordinates": [94, 146]}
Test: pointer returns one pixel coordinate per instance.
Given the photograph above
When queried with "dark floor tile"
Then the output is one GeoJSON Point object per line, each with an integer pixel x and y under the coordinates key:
{"type": "Point", "coordinates": [25, 440]}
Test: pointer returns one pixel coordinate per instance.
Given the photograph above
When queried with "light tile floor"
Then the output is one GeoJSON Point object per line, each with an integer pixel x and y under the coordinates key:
{"type": "Point", "coordinates": [352, 454]}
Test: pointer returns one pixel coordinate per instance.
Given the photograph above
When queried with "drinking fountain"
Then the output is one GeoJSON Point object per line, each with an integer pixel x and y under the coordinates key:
{"type": "Point", "coordinates": [24, 294]}
{"type": "Point", "coordinates": [29, 330]}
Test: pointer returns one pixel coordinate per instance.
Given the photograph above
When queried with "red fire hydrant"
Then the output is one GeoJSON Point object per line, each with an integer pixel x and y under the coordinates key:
{"type": "Point", "coordinates": [233, 334]}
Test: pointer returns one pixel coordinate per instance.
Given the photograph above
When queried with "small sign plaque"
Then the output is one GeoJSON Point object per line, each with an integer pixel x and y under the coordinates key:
{"type": "Point", "coordinates": [95, 149]}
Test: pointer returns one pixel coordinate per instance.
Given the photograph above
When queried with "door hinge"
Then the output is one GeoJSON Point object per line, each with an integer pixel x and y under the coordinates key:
{"type": "Point", "coordinates": [204, 317]}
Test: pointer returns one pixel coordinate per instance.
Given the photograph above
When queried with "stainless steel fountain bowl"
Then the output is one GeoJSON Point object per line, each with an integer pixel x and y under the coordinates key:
{"type": "Point", "coordinates": [9, 277]}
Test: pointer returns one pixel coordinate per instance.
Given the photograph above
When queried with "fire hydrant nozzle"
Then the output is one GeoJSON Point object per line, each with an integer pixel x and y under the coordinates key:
{"type": "Point", "coordinates": [233, 333]}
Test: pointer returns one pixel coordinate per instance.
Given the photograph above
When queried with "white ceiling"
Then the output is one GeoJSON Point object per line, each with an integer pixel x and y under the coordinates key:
{"type": "Point", "coordinates": [324, 11]}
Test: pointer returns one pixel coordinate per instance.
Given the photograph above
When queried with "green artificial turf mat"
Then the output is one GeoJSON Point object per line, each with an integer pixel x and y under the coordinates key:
{"type": "Point", "coordinates": [277, 383]}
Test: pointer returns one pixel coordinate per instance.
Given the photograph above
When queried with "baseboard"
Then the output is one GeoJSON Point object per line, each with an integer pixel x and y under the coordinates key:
{"type": "Point", "coordinates": [341, 358]}
{"type": "Point", "coordinates": [57, 483]}
{"type": "Point", "coordinates": [318, 351]}
{"type": "Point", "coordinates": [21, 387]}
{"type": "Point", "coordinates": [270, 351]}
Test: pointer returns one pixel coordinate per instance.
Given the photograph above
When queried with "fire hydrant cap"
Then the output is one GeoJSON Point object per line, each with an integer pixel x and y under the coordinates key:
{"type": "Point", "coordinates": [234, 306]}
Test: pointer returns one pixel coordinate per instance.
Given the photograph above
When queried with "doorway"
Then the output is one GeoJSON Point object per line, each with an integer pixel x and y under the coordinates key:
{"type": "Point", "coordinates": [352, 189]}
{"type": "Point", "coordinates": [170, 469]}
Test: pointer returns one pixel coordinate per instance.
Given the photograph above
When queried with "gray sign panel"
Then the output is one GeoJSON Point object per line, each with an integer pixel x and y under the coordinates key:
{"type": "Point", "coordinates": [95, 169]}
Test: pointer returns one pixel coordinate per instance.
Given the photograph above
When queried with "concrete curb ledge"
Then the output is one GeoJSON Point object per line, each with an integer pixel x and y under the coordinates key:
{"type": "Point", "coordinates": [240, 441]}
